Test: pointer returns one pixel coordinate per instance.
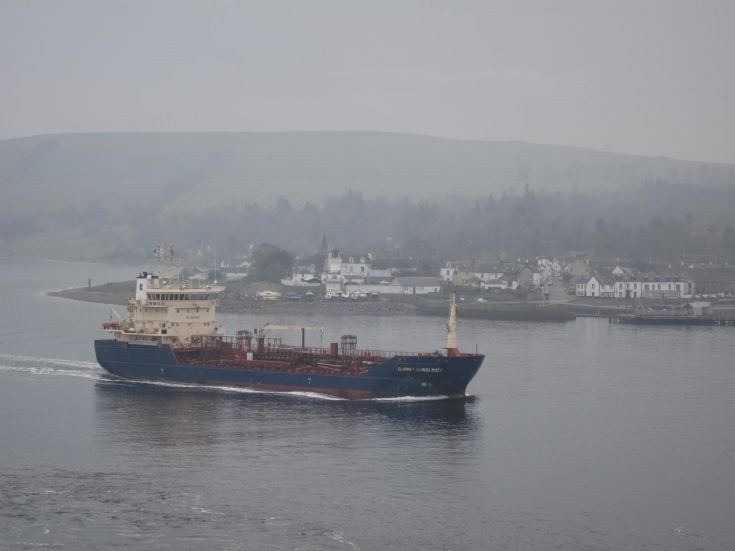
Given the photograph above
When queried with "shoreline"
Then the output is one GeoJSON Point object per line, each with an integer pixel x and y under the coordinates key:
{"type": "Point", "coordinates": [501, 311]}
{"type": "Point", "coordinates": [510, 311]}
{"type": "Point", "coordinates": [244, 306]}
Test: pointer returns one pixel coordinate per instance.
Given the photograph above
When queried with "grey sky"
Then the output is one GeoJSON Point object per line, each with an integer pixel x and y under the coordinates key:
{"type": "Point", "coordinates": [655, 78]}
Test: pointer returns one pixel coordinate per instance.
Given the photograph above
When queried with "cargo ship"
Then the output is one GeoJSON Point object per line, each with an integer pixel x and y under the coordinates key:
{"type": "Point", "coordinates": [171, 334]}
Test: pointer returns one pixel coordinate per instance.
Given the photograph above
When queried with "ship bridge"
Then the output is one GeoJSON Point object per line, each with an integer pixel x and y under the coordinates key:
{"type": "Point", "coordinates": [169, 310]}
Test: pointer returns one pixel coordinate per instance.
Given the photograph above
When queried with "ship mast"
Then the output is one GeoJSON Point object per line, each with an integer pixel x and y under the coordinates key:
{"type": "Point", "coordinates": [163, 255]}
{"type": "Point", "coordinates": [451, 341]}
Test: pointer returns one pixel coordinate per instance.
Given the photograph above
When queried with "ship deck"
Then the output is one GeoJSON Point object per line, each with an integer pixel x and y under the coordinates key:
{"type": "Point", "coordinates": [234, 352]}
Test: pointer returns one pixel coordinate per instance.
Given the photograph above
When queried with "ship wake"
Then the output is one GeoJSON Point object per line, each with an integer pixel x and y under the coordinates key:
{"type": "Point", "coordinates": [233, 389]}
{"type": "Point", "coordinates": [31, 365]}
{"type": "Point", "coordinates": [413, 398]}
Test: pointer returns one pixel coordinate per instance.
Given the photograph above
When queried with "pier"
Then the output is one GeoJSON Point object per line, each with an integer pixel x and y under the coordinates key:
{"type": "Point", "coordinates": [653, 319]}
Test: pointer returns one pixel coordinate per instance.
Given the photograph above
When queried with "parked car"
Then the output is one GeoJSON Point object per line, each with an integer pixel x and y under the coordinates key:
{"type": "Point", "coordinates": [268, 295]}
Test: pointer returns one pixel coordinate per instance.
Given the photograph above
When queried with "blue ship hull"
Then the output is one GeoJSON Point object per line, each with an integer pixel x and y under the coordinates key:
{"type": "Point", "coordinates": [409, 375]}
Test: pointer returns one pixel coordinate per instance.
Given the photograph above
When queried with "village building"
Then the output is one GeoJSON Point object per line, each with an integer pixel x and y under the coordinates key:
{"type": "Point", "coordinates": [343, 270]}
{"type": "Point", "coordinates": [607, 288]}
{"type": "Point", "coordinates": [447, 273]}
{"type": "Point", "coordinates": [579, 267]}
{"type": "Point", "coordinates": [699, 308]}
{"type": "Point", "coordinates": [720, 281]}
{"type": "Point", "coordinates": [500, 284]}
{"type": "Point", "coordinates": [380, 273]}
{"type": "Point", "coordinates": [355, 274]}
{"type": "Point", "coordinates": [407, 285]}
{"type": "Point", "coordinates": [596, 287]}
{"type": "Point", "coordinates": [672, 288]}
{"type": "Point", "coordinates": [526, 278]}
{"type": "Point", "coordinates": [667, 288]}
{"type": "Point", "coordinates": [418, 285]}
{"type": "Point", "coordinates": [301, 278]}
{"type": "Point", "coordinates": [548, 268]}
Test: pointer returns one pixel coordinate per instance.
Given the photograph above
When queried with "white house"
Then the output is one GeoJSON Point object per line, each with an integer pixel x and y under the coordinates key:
{"type": "Point", "coordinates": [596, 287]}
{"type": "Point", "coordinates": [398, 286]}
{"type": "Point", "coordinates": [607, 289]}
{"type": "Point", "coordinates": [489, 276]}
{"type": "Point", "coordinates": [590, 288]}
{"type": "Point", "coordinates": [376, 273]}
{"type": "Point", "coordinates": [302, 279]}
{"type": "Point", "coordinates": [468, 273]}
{"type": "Point", "coordinates": [500, 284]}
{"type": "Point", "coordinates": [448, 272]}
{"type": "Point", "coordinates": [671, 288]}
{"type": "Point", "coordinates": [417, 285]}
{"type": "Point", "coordinates": [356, 267]}
{"type": "Point", "coordinates": [340, 271]}
{"type": "Point", "coordinates": [548, 268]}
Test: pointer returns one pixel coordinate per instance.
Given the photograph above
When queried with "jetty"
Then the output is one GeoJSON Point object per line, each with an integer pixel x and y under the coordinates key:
{"type": "Point", "coordinates": [663, 319]}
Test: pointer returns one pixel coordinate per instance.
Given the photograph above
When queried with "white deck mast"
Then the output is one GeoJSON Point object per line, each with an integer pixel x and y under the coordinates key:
{"type": "Point", "coordinates": [451, 341]}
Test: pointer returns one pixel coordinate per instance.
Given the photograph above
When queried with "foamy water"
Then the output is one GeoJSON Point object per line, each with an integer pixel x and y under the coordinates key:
{"type": "Point", "coordinates": [31, 365]}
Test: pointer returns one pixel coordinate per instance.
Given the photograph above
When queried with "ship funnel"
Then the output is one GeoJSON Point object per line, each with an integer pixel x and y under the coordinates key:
{"type": "Point", "coordinates": [451, 341]}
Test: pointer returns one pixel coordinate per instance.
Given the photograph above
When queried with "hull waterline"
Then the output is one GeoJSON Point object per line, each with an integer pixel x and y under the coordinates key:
{"type": "Point", "coordinates": [397, 376]}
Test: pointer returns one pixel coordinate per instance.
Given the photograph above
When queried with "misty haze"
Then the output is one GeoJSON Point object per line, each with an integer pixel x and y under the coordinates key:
{"type": "Point", "coordinates": [335, 275]}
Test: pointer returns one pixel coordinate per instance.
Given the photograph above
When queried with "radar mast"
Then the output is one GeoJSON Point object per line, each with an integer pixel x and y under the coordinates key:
{"type": "Point", "coordinates": [163, 255]}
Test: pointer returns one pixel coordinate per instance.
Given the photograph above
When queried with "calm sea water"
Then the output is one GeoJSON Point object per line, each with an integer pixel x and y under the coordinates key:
{"type": "Point", "coordinates": [582, 435]}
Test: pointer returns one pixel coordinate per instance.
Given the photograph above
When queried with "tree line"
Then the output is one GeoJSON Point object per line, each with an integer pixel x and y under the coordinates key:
{"type": "Point", "coordinates": [659, 219]}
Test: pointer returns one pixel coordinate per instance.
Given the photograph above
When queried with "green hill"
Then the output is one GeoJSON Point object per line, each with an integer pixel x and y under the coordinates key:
{"type": "Point", "coordinates": [183, 171]}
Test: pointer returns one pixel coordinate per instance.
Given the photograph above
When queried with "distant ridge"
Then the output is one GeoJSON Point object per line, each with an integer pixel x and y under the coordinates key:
{"type": "Point", "coordinates": [185, 171]}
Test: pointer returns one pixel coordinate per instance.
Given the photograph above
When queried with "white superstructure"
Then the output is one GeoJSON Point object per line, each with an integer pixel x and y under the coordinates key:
{"type": "Point", "coordinates": [168, 310]}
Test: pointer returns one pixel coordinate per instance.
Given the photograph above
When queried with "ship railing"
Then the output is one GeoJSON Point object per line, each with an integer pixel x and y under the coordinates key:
{"type": "Point", "coordinates": [369, 353]}
{"type": "Point", "coordinates": [385, 353]}
{"type": "Point", "coordinates": [236, 344]}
